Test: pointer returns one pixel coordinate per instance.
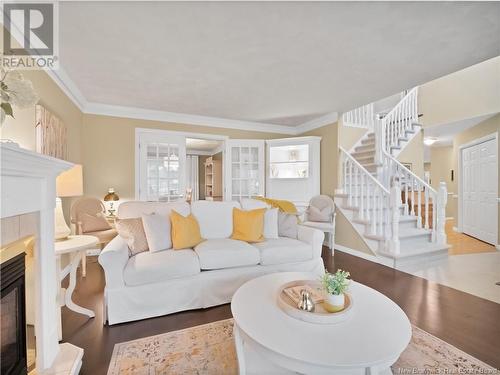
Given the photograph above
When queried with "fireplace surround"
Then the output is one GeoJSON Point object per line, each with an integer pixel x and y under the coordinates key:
{"type": "Point", "coordinates": [13, 316]}
{"type": "Point", "coordinates": [28, 182]}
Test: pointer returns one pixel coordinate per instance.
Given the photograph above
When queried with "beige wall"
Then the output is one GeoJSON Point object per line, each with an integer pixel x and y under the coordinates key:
{"type": "Point", "coordinates": [440, 169]}
{"type": "Point", "coordinates": [413, 153]}
{"type": "Point", "coordinates": [487, 127]}
{"type": "Point", "coordinates": [21, 129]}
{"type": "Point", "coordinates": [346, 235]}
{"type": "Point", "coordinates": [109, 155]}
{"type": "Point", "coordinates": [329, 156]}
{"type": "Point", "coordinates": [468, 93]}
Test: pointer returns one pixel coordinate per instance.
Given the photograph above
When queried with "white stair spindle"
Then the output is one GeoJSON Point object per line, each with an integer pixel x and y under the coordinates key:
{"type": "Point", "coordinates": [374, 213]}
{"type": "Point", "coordinates": [419, 211]}
{"type": "Point", "coordinates": [434, 206]}
{"type": "Point", "coordinates": [442, 199]}
{"type": "Point", "coordinates": [356, 187]}
{"type": "Point", "coordinates": [412, 196]}
{"type": "Point", "coordinates": [362, 198]}
{"type": "Point", "coordinates": [381, 208]}
{"type": "Point", "coordinates": [426, 221]}
{"type": "Point", "coordinates": [395, 205]}
{"type": "Point", "coordinates": [350, 183]}
{"type": "Point", "coordinates": [406, 195]}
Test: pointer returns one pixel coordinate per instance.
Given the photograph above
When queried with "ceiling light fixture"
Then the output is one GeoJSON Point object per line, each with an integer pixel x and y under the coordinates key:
{"type": "Point", "coordinates": [429, 141]}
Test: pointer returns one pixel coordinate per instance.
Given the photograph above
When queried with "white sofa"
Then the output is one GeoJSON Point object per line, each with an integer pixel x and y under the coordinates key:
{"type": "Point", "coordinates": [152, 284]}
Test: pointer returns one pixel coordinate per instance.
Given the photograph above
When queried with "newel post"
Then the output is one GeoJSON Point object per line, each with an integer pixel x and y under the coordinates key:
{"type": "Point", "coordinates": [442, 199]}
{"type": "Point", "coordinates": [395, 204]}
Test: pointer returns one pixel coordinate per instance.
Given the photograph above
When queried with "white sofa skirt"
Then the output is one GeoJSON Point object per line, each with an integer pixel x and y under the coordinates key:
{"type": "Point", "coordinates": [206, 289]}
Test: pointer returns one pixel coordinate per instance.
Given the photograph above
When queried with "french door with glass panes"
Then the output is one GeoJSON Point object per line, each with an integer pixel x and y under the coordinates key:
{"type": "Point", "coordinates": [162, 167]}
{"type": "Point", "coordinates": [245, 169]}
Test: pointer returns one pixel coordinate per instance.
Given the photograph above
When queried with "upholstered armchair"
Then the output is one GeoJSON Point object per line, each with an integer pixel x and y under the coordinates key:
{"type": "Point", "coordinates": [88, 217]}
{"type": "Point", "coordinates": [321, 215]}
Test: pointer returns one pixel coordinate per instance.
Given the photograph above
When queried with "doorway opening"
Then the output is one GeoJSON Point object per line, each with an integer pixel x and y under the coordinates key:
{"type": "Point", "coordinates": [204, 169]}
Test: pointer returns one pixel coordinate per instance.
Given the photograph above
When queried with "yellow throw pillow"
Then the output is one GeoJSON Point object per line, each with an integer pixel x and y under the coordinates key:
{"type": "Point", "coordinates": [185, 231]}
{"type": "Point", "coordinates": [248, 225]}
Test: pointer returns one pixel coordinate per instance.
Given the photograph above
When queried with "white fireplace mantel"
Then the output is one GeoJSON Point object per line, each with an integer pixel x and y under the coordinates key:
{"type": "Point", "coordinates": [28, 184]}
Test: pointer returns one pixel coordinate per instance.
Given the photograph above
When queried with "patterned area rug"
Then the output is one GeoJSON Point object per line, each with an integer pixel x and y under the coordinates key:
{"type": "Point", "coordinates": [209, 349]}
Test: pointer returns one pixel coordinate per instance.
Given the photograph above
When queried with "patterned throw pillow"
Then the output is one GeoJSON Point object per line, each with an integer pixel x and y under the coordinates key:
{"type": "Point", "coordinates": [287, 225]}
{"type": "Point", "coordinates": [91, 223]}
{"type": "Point", "coordinates": [132, 231]}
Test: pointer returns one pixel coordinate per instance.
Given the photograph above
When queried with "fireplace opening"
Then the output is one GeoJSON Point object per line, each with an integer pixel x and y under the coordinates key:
{"type": "Point", "coordinates": [13, 335]}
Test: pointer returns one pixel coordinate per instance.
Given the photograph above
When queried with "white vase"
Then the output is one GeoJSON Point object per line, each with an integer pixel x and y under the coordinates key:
{"type": "Point", "coordinates": [334, 302]}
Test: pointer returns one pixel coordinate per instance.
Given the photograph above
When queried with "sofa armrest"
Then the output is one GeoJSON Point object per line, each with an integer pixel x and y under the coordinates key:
{"type": "Point", "coordinates": [113, 259]}
{"type": "Point", "coordinates": [312, 236]}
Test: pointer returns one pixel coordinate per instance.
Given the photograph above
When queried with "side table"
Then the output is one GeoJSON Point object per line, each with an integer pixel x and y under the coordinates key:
{"type": "Point", "coordinates": [75, 246]}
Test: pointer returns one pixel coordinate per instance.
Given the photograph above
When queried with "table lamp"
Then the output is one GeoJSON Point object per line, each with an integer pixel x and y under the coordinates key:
{"type": "Point", "coordinates": [68, 184]}
{"type": "Point", "coordinates": [111, 197]}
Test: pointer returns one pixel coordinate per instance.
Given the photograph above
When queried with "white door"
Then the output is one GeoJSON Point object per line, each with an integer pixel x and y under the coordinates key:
{"type": "Point", "coordinates": [245, 169]}
{"type": "Point", "coordinates": [162, 167]}
{"type": "Point", "coordinates": [480, 191]}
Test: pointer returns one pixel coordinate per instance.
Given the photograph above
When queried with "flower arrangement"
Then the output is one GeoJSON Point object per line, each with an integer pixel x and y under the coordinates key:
{"type": "Point", "coordinates": [15, 91]}
{"type": "Point", "coordinates": [337, 283]}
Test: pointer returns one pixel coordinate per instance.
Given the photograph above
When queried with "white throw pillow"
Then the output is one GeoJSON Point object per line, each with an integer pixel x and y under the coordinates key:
{"type": "Point", "coordinates": [253, 204]}
{"type": "Point", "coordinates": [157, 229]}
{"type": "Point", "coordinates": [287, 225]}
{"type": "Point", "coordinates": [271, 223]}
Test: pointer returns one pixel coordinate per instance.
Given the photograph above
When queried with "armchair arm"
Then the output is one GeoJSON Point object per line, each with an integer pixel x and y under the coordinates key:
{"type": "Point", "coordinates": [113, 259]}
{"type": "Point", "coordinates": [312, 236]}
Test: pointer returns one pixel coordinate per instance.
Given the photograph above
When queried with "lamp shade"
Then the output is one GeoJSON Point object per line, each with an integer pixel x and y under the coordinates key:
{"type": "Point", "coordinates": [70, 183]}
{"type": "Point", "coordinates": [111, 196]}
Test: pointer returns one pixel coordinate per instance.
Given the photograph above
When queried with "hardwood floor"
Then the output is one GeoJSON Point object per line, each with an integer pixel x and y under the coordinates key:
{"type": "Point", "coordinates": [464, 244]}
{"type": "Point", "coordinates": [468, 322]}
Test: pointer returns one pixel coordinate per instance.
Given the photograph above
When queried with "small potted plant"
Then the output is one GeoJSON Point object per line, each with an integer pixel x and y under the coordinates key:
{"type": "Point", "coordinates": [335, 286]}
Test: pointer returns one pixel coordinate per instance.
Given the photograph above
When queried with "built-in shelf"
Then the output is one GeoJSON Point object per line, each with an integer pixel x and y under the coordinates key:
{"type": "Point", "coordinates": [293, 168]}
{"type": "Point", "coordinates": [213, 179]}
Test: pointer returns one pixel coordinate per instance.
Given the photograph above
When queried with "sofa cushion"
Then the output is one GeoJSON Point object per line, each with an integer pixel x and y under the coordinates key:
{"type": "Point", "coordinates": [283, 250]}
{"type": "Point", "coordinates": [215, 218]}
{"type": "Point", "coordinates": [226, 253]}
{"type": "Point", "coordinates": [133, 209]}
{"type": "Point", "coordinates": [149, 267]}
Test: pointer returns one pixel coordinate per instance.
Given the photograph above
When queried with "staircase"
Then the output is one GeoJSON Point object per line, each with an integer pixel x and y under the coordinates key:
{"type": "Point", "coordinates": [399, 216]}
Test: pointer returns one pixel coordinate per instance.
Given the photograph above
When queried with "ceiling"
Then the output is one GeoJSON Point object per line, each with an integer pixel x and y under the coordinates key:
{"type": "Point", "coordinates": [445, 133]}
{"type": "Point", "coordinates": [284, 63]}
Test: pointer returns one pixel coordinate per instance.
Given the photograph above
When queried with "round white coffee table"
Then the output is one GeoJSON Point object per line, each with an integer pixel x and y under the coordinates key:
{"type": "Point", "coordinates": [368, 342]}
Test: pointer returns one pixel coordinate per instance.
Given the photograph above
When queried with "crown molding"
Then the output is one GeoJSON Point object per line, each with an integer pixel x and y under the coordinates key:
{"type": "Point", "coordinates": [318, 122]}
{"type": "Point", "coordinates": [183, 118]}
{"type": "Point", "coordinates": [66, 84]}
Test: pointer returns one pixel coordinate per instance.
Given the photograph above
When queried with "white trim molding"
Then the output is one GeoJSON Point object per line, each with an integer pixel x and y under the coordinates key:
{"type": "Point", "coordinates": [318, 122]}
{"type": "Point", "coordinates": [183, 118]}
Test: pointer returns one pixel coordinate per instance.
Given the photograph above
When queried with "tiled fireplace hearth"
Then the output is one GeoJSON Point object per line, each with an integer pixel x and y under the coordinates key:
{"type": "Point", "coordinates": [28, 191]}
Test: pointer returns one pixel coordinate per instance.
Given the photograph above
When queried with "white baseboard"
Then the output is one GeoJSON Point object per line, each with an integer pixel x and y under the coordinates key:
{"type": "Point", "coordinates": [363, 255]}
{"type": "Point", "coordinates": [455, 229]}
{"type": "Point", "coordinates": [449, 218]}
